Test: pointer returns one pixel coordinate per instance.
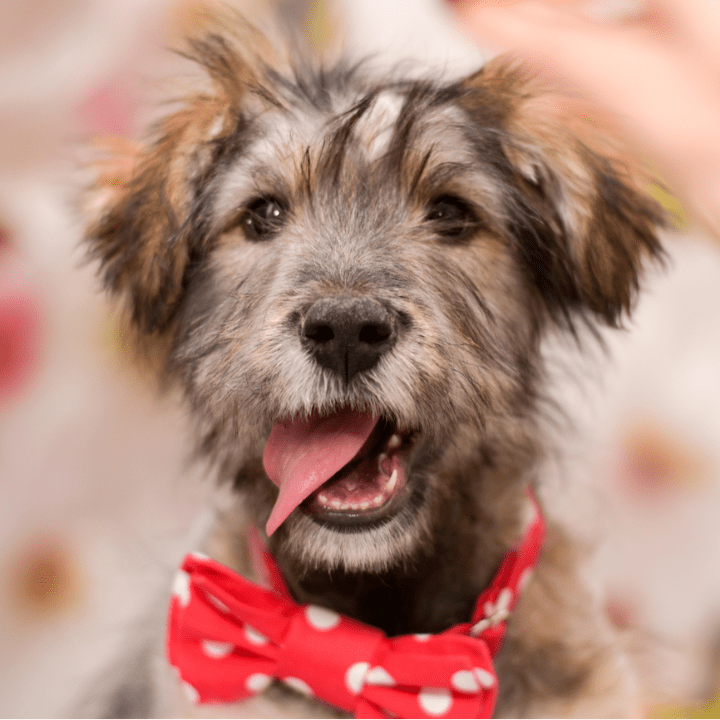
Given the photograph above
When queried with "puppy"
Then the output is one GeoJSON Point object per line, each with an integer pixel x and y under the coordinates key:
{"type": "Point", "coordinates": [350, 277]}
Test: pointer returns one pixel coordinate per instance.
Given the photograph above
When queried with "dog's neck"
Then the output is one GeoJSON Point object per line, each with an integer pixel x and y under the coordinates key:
{"type": "Point", "coordinates": [433, 591]}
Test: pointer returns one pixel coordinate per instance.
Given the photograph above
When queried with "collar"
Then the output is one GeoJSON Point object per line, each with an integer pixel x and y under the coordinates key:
{"type": "Point", "coordinates": [229, 638]}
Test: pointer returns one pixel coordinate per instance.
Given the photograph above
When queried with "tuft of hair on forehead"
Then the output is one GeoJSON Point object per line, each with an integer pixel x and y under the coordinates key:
{"type": "Point", "coordinates": [271, 63]}
{"type": "Point", "coordinates": [232, 51]}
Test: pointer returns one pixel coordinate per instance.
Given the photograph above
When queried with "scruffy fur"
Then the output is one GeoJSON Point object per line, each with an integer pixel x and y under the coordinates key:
{"type": "Point", "coordinates": [549, 234]}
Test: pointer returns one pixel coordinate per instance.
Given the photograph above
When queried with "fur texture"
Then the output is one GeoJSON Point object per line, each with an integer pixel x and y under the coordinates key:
{"type": "Point", "coordinates": [479, 221]}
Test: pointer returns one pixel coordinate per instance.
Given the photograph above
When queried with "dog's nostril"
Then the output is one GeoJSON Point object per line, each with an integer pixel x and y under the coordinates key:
{"type": "Point", "coordinates": [319, 333]}
{"type": "Point", "coordinates": [375, 333]}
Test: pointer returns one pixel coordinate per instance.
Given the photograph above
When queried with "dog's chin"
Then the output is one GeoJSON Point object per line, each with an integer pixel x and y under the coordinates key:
{"type": "Point", "coordinates": [358, 542]}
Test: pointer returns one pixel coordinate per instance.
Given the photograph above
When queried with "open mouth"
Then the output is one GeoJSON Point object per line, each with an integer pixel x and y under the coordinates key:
{"type": "Point", "coordinates": [371, 486]}
{"type": "Point", "coordinates": [345, 468]}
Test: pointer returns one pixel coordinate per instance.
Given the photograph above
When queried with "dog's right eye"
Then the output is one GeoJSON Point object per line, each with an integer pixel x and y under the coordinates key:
{"type": "Point", "coordinates": [262, 218]}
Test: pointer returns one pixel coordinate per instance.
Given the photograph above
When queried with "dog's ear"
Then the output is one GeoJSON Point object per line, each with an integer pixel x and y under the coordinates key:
{"type": "Point", "coordinates": [579, 215]}
{"type": "Point", "coordinates": [148, 201]}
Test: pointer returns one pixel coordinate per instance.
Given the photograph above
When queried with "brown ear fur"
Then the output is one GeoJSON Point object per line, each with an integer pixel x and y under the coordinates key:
{"type": "Point", "coordinates": [580, 213]}
{"type": "Point", "coordinates": [146, 234]}
{"type": "Point", "coordinates": [141, 237]}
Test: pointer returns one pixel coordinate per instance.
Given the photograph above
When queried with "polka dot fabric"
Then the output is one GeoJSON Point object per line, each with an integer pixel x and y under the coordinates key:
{"type": "Point", "coordinates": [229, 638]}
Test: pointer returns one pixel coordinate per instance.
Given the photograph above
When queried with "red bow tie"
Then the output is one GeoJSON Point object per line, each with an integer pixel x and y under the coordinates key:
{"type": "Point", "coordinates": [229, 638]}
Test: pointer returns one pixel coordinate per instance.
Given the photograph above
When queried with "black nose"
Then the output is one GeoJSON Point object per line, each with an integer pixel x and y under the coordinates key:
{"type": "Point", "coordinates": [348, 335]}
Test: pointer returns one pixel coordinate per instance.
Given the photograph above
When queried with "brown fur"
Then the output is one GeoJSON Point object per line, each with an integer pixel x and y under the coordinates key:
{"type": "Point", "coordinates": [554, 238]}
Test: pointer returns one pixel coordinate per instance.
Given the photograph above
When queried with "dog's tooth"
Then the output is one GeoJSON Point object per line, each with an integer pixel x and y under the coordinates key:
{"type": "Point", "coordinates": [335, 503]}
{"type": "Point", "coordinates": [381, 457]}
{"type": "Point", "coordinates": [364, 506]}
{"type": "Point", "coordinates": [394, 442]}
{"type": "Point", "coordinates": [392, 481]}
{"type": "Point", "coordinates": [323, 498]}
{"type": "Point", "coordinates": [377, 500]}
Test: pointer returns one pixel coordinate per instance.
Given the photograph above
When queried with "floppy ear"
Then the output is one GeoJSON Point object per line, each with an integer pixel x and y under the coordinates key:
{"type": "Point", "coordinates": [141, 236]}
{"type": "Point", "coordinates": [580, 217]}
{"type": "Point", "coordinates": [149, 200]}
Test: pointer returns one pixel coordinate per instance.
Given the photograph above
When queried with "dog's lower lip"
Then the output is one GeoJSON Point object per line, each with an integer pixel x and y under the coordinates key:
{"type": "Point", "coordinates": [357, 517]}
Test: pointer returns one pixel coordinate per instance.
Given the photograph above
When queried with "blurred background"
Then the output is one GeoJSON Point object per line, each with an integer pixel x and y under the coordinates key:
{"type": "Point", "coordinates": [98, 502]}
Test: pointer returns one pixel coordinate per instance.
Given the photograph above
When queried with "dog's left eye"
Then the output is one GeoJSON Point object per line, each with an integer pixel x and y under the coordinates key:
{"type": "Point", "coordinates": [263, 218]}
{"type": "Point", "coordinates": [452, 217]}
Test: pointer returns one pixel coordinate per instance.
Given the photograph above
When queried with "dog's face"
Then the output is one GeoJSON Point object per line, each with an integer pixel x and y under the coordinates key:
{"type": "Point", "coordinates": [352, 279]}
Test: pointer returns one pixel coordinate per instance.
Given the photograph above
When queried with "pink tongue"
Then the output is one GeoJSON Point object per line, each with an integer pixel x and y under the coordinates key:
{"type": "Point", "coordinates": [300, 455]}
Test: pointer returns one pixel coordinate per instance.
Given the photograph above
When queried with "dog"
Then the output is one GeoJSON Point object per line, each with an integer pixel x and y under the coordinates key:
{"type": "Point", "coordinates": [316, 252]}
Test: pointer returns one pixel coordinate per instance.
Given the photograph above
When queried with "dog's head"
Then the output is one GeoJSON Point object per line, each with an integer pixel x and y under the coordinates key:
{"type": "Point", "coordinates": [351, 277]}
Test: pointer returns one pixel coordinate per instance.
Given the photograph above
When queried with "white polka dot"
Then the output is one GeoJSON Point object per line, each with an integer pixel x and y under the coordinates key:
{"type": "Point", "coordinates": [524, 579]}
{"type": "Point", "coordinates": [435, 701]}
{"type": "Point", "coordinates": [257, 682]}
{"type": "Point", "coordinates": [479, 627]}
{"type": "Point", "coordinates": [380, 676]}
{"type": "Point", "coordinates": [219, 604]}
{"type": "Point", "coordinates": [254, 636]}
{"type": "Point", "coordinates": [199, 556]}
{"type": "Point", "coordinates": [300, 685]}
{"type": "Point", "coordinates": [499, 610]}
{"type": "Point", "coordinates": [422, 637]}
{"type": "Point", "coordinates": [321, 618]}
{"type": "Point", "coordinates": [355, 677]}
{"type": "Point", "coordinates": [505, 599]}
{"type": "Point", "coordinates": [215, 649]}
{"type": "Point", "coordinates": [464, 681]}
{"type": "Point", "coordinates": [191, 693]}
{"type": "Point", "coordinates": [181, 587]}
{"type": "Point", "coordinates": [485, 678]}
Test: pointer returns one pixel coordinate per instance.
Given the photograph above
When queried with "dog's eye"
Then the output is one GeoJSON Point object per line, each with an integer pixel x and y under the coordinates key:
{"type": "Point", "coordinates": [262, 218]}
{"type": "Point", "coordinates": [452, 217]}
